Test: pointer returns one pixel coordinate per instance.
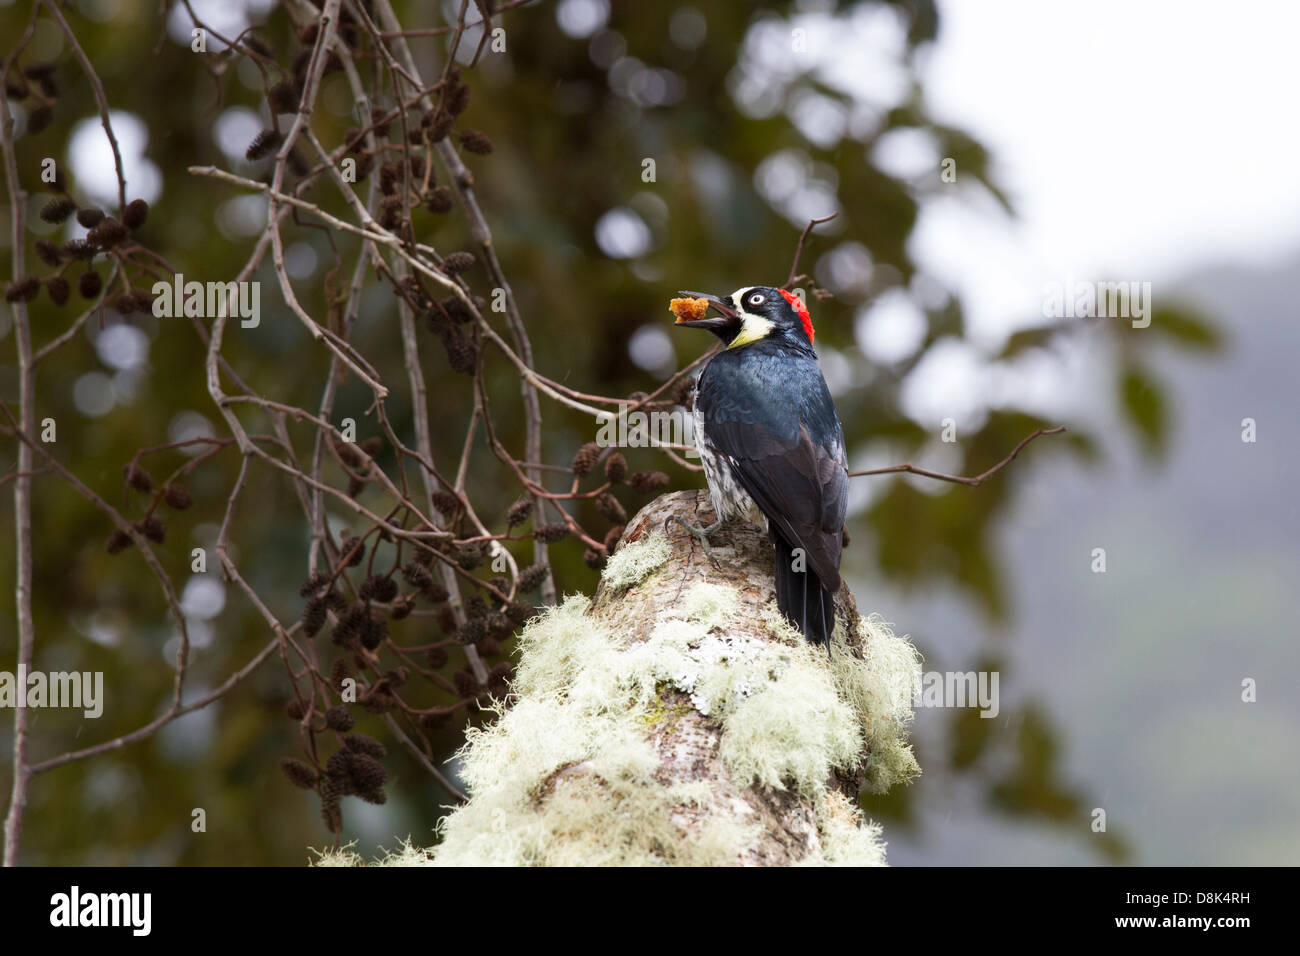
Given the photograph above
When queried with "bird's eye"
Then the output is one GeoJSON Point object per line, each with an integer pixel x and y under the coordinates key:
{"type": "Point", "coordinates": [756, 299]}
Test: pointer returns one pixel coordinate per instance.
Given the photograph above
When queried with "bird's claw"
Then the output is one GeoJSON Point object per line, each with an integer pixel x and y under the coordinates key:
{"type": "Point", "coordinates": [699, 532]}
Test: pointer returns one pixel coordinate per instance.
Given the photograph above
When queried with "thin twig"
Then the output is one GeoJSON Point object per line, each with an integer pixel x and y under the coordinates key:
{"type": "Point", "coordinates": [798, 250]}
{"type": "Point", "coordinates": [101, 99]}
{"type": "Point", "coordinates": [974, 481]}
{"type": "Point", "coordinates": [140, 733]}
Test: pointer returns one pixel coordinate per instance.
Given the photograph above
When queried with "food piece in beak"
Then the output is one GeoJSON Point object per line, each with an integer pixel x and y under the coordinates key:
{"type": "Point", "coordinates": [690, 310]}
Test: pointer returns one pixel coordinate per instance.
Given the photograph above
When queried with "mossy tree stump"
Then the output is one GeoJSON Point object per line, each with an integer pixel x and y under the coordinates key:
{"type": "Point", "coordinates": [676, 718]}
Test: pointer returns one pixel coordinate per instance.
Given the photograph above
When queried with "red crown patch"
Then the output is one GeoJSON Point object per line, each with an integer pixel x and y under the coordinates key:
{"type": "Point", "coordinates": [797, 304]}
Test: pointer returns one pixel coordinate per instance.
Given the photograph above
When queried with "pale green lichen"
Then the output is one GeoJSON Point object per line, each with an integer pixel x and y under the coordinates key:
{"type": "Point", "coordinates": [406, 854]}
{"type": "Point", "coordinates": [556, 645]}
{"type": "Point", "coordinates": [711, 605]}
{"type": "Point", "coordinates": [633, 563]}
{"type": "Point", "coordinates": [879, 689]}
{"type": "Point", "coordinates": [570, 780]}
{"type": "Point", "coordinates": [567, 775]}
{"type": "Point", "coordinates": [846, 840]}
{"type": "Point", "coordinates": [663, 713]}
{"type": "Point", "coordinates": [343, 856]}
{"type": "Point", "coordinates": [790, 727]}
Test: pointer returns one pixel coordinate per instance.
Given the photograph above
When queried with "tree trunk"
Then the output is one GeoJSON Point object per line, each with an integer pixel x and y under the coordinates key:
{"type": "Point", "coordinates": [677, 718]}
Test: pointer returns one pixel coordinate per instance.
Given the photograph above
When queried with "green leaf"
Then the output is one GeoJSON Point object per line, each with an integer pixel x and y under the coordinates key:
{"type": "Point", "coordinates": [1027, 339]}
{"type": "Point", "coordinates": [1144, 406]}
{"type": "Point", "coordinates": [1186, 328]}
{"type": "Point", "coordinates": [970, 736]}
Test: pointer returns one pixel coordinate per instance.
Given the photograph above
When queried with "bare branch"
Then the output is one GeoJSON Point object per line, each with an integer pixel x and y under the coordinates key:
{"type": "Point", "coordinates": [974, 481]}
{"type": "Point", "coordinates": [101, 99]}
{"type": "Point", "coordinates": [798, 250]}
{"type": "Point", "coordinates": [26, 630]}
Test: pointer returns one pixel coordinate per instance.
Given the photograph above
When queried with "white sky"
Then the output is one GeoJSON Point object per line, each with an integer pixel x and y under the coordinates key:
{"type": "Point", "coordinates": [1138, 141]}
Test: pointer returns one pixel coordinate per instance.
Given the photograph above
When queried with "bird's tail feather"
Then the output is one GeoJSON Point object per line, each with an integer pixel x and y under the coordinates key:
{"type": "Point", "coordinates": [801, 597]}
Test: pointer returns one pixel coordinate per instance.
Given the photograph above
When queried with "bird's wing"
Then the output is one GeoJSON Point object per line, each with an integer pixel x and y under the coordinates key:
{"type": "Point", "coordinates": [799, 484]}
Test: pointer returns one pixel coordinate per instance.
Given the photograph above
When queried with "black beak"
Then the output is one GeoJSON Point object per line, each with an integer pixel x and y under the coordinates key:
{"type": "Point", "coordinates": [713, 322]}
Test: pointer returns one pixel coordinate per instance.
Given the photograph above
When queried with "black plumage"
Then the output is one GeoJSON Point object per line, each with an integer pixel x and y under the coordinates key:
{"type": "Point", "coordinates": [771, 442]}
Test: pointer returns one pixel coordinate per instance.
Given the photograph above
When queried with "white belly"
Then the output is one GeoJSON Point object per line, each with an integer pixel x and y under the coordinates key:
{"type": "Point", "coordinates": [730, 500]}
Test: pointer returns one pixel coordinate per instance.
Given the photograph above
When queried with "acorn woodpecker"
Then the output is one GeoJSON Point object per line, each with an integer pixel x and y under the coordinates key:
{"type": "Point", "coordinates": [772, 446]}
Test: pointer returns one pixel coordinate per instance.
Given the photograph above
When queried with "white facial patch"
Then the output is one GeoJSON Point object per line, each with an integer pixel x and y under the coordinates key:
{"type": "Point", "coordinates": [752, 326]}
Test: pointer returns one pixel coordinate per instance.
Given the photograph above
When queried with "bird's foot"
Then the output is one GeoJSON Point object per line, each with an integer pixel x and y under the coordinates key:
{"type": "Point", "coordinates": [699, 532]}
